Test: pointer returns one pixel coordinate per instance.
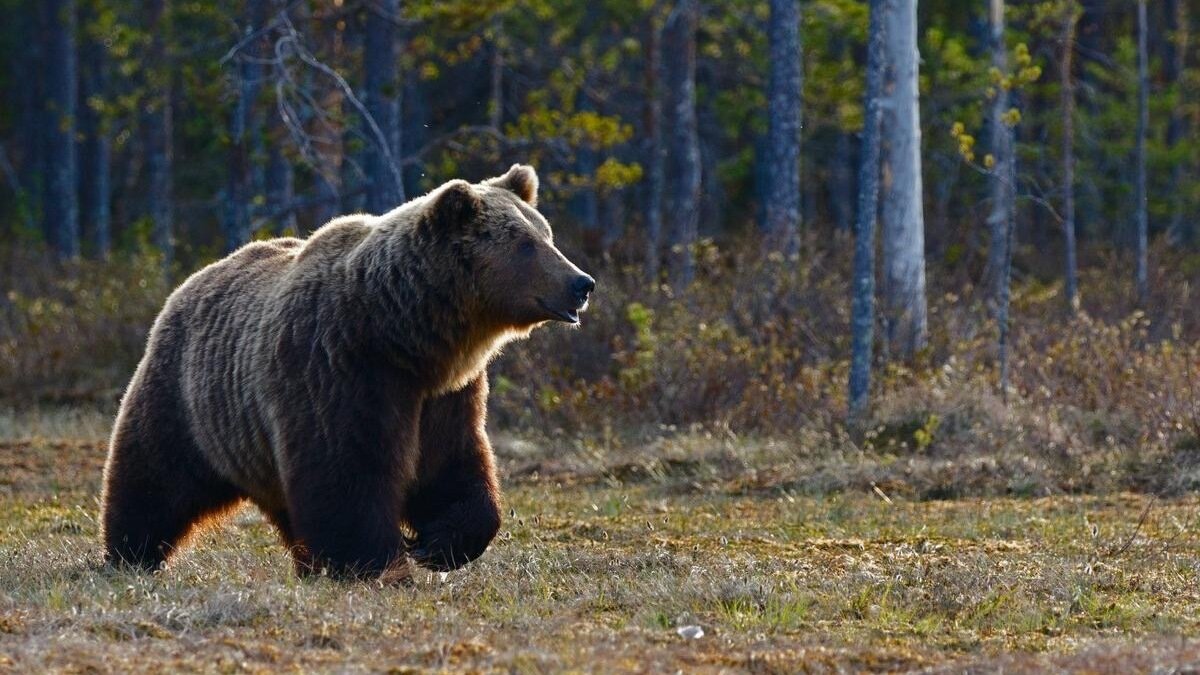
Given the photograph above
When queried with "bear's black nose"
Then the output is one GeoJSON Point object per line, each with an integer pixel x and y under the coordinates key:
{"type": "Point", "coordinates": [583, 285]}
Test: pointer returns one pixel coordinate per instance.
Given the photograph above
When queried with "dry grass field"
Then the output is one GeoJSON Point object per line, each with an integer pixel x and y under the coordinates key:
{"type": "Point", "coordinates": [600, 566]}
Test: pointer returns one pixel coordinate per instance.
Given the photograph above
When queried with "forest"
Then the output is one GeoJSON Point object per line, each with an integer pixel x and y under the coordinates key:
{"type": "Point", "coordinates": [893, 299]}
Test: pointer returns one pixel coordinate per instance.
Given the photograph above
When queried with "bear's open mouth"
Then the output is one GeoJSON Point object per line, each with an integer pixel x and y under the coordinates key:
{"type": "Point", "coordinates": [567, 315]}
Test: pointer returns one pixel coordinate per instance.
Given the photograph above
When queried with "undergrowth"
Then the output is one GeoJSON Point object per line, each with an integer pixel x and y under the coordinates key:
{"type": "Point", "coordinates": [1106, 398]}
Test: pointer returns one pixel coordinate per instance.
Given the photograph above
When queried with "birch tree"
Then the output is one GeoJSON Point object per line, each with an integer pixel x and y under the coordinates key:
{"type": "Point", "coordinates": [903, 214]}
{"type": "Point", "coordinates": [1002, 193]}
{"type": "Point", "coordinates": [863, 309]}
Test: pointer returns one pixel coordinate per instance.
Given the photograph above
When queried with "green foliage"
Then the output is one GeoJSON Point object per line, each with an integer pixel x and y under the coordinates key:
{"type": "Point", "coordinates": [574, 84]}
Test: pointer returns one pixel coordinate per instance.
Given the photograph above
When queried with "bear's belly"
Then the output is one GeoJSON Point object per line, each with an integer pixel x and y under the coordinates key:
{"type": "Point", "coordinates": [226, 414]}
{"type": "Point", "coordinates": [236, 441]}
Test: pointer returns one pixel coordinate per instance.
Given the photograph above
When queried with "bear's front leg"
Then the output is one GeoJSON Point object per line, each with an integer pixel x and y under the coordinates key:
{"type": "Point", "coordinates": [345, 496]}
{"type": "Point", "coordinates": [345, 527]}
{"type": "Point", "coordinates": [455, 509]}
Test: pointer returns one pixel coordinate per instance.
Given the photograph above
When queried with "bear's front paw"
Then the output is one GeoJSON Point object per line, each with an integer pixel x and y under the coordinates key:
{"type": "Point", "coordinates": [446, 551]}
{"type": "Point", "coordinates": [461, 535]}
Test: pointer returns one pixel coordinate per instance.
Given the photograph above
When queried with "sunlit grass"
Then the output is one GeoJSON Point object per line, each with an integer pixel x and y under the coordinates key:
{"type": "Point", "coordinates": [596, 572]}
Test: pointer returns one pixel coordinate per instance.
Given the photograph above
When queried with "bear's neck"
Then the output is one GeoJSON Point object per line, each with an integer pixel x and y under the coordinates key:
{"type": "Point", "coordinates": [419, 314]}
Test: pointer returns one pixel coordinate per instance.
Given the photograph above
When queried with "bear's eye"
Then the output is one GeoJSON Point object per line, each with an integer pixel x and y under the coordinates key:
{"type": "Point", "coordinates": [526, 248]}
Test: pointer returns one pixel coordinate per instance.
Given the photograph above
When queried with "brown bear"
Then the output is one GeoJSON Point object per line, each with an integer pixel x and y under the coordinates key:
{"type": "Point", "coordinates": [339, 384]}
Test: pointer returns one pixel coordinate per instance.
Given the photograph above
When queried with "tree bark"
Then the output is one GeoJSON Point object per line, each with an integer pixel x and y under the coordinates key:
{"type": "Point", "coordinates": [862, 324]}
{"type": "Point", "coordinates": [355, 130]}
{"type": "Point", "coordinates": [654, 145]}
{"type": "Point", "coordinates": [682, 146]}
{"type": "Point", "coordinates": [95, 151]}
{"type": "Point", "coordinates": [60, 211]}
{"type": "Point", "coordinates": [281, 187]}
{"type": "Point", "coordinates": [840, 178]}
{"type": "Point", "coordinates": [584, 204]}
{"type": "Point", "coordinates": [382, 100]}
{"type": "Point", "coordinates": [841, 183]}
{"type": "Point", "coordinates": [1003, 188]}
{"type": "Point", "coordinates": [783, 127]}
{"type": "Point", "coordinates": [1182, 229]}
{"type": "Point", "coordinates": [1003, 300]}
{"type": "Point", "coordinates": [157, 124]}
{"type": "Point", "coordinates": [328, 201]}
{"type": "Point", "coordinates": [1002, 154]}
{"type": "Point", "coordinates": [245, 129]}
{"type": "Point", "coordinates": [903, 212]}
{"type": "Point", "coordinates": [30, 101]}
{"type": "Point", "coordinates": [496, 66]}
{"type": "Point", "coordinates": [1142, 217]}
{"type": "Point", "coordinates": [414, 130]}
{"type": "Point", "coordinates": [1067, 85]}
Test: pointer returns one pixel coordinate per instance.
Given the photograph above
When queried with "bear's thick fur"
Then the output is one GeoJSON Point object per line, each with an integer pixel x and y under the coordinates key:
{"type": "Point", "coordinates": [338, 383]}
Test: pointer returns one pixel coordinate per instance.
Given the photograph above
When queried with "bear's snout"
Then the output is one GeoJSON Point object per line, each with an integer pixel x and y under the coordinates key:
{"type": "Point", "coordinates": [582, 288]}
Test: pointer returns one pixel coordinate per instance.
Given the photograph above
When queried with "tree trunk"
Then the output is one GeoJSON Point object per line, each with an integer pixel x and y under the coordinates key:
{"type": "Point", "coordinates": [1091, 218]}
{"type": "Point", "coordinates": [328, 201]}
{"type": "Point", "coordinates": [584, 204]}
{"type": "Point", "coordinates": [281, 187]}
{"type": "Point", "coordinates": [1142, 217]}
{"type": "Point", "coordinates": [414, 125]}
{"type": "Point", "coordinates": [355, 130]}
{"type": "Point", "coordinates": [863, 311]}
{"type": "Point", "coordinates": [30, 102]}
{"type": "Point", "coordinates": [60, 211]}
{"type": "Point", "coordinates": [783, 128]}
{"type": "Point", "coordinates": [840, 180]}
{"type": "Point", "coordinates": [841, 183]}
{"type": "Point", "coordinates": [1003, 188]}
{"type": "Point", "coordinates": [682, 144]}
{"type": "Point", "coordinates": [1068, 154]}
{"type": "Point", "coordinates": [654, 145]}
{"type": "Point", "coordinates": [496, 66]}
{"type": "Point", "coordinates": [1002, 154]}
{"type": "Point", "coordinates": [245, 129]}
{"type": "Point", "coordinates": [903, 212]}
{"type": "Point", "coordinates": [157, 124]}
{"type": "Point", "coordinates": [414, 131]}
{"type": "Point", "coordinates": [94, 170]}
{"type": "Point", "coordinates": [1182, 231]}
{"type": "Point", "coordinates": [1003, 300]}
{"type": "Point", "coordinates": [385, 190]}
{"type": "Point", "coordinates": [612, 220]}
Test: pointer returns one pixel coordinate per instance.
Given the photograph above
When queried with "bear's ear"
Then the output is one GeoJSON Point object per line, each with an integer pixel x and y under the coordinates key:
{"type": "Point", "coordinates": [521, 180]}
{"type": "Point", "coordinates": [455, 205]}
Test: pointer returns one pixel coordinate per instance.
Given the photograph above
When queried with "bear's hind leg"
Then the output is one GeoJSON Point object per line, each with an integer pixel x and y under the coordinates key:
{"type": "Point", "coordinates": [301, 559]}
{"type": "Point", "coordinates": [156, 489]}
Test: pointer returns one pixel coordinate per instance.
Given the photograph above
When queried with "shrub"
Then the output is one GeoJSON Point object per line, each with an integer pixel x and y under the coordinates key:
{"type": "Point", "coordinates": [757, 346]}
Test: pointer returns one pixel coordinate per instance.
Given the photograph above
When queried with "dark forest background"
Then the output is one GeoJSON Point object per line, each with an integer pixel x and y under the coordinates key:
{"type": "Point", "coordinates": [836, 220]}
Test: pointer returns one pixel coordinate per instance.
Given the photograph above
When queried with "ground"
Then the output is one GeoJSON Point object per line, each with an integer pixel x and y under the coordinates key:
{"type": "Point", "coordinates": [606, 569]}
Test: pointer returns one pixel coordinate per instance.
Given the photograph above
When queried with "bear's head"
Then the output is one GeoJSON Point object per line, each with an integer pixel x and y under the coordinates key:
{"type": "Point", "coordinates": [517, 276]}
